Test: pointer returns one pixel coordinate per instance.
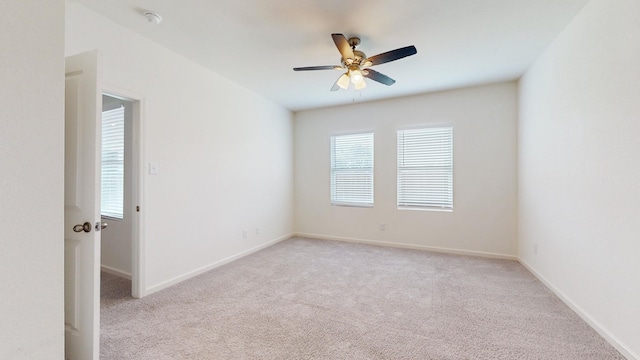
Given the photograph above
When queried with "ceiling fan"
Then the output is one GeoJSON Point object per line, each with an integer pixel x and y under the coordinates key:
{"type": "Point", "coordinates": [356, 63]}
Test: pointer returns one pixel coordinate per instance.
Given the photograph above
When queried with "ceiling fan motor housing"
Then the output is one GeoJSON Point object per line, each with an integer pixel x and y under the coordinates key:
{"type": "Point", "coordinates": [358, 60]}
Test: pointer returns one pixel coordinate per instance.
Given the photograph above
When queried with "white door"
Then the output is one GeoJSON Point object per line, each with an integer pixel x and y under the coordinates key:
{"type": "Point", "coordinates": [83, 104]}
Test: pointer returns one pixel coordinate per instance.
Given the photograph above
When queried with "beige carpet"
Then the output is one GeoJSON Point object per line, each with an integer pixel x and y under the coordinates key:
{"type": "Point", "coordinates": [315, 299]}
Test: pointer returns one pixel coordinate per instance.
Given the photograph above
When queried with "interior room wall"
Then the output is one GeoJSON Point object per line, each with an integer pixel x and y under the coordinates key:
{"type": "Point", "coordinates": [224, 154]}
{"type": "Point", "coordinates": [484, 217]}
{"type": "Point", "coordinates": [579, 169]}
{"type": "Point", "coordinates": [31, 179]}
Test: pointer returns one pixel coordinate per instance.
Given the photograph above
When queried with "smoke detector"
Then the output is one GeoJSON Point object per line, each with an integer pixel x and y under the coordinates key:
{"type": "Point", "coordinates": [152, 17]}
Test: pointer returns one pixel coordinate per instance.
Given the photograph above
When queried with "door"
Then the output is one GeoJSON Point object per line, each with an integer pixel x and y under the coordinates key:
{"type": "Point", "coordinates": [83, 104]}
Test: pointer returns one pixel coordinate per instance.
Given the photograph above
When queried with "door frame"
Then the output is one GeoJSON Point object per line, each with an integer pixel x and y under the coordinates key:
{"type": "Point", "coordinates": [138, 287]}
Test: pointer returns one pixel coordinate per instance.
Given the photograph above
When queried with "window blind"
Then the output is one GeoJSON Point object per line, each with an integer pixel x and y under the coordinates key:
{"type": "Point", "coordinates": [352, 169]}
{"type": "Point", "coordinates": [112, 163]}
{"type": "Point", "coordinates": [425, 168]}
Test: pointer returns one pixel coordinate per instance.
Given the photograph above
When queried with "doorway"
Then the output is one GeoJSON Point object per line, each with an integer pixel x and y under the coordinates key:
{"type": "Point", "coordinates": [120, 189]}
{"type": "Point", "coordinates": [82, 211]}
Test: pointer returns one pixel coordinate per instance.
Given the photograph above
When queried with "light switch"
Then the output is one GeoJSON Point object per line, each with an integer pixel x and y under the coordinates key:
{"type": "Point", "coordinates": [153, 168]}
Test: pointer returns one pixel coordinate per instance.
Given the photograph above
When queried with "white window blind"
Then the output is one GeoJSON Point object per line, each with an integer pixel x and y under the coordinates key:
{"type": "Point", "coordinates": [113, 163]}
{"type": "Point", "coordinates": [352, 169]}
{"type": "Point", "coordinates": [425, 168]}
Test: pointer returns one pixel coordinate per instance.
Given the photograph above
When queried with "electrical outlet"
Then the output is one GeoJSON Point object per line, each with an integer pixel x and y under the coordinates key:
{"type": "Point", "coordinates": [257, 230]}
{"type": "Point", "coordinates": [153, 168]}
{"type": "Point", "coordinates": [244, 233]}
{"type": "Point", "coordinates": [382, 227]}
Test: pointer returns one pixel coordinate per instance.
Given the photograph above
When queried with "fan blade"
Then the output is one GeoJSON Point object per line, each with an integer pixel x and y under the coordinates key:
{"type": "Point", "coordinates": [392, 55]}
{"type": "Point", "coordinates": [324, 67]}
{"type": "Point", "coordinates": [343, 46]}
{"type": "Point", "coordinates": [381, 78]}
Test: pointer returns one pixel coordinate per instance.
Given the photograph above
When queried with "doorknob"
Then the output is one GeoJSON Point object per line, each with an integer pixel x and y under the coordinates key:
{"type": "Point", "coordinates": [86, 227]}
{"type": "Point", "coordinates": [101, 225]}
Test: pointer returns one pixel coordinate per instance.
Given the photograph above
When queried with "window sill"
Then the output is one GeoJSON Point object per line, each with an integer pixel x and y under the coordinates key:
{"type": "Point", "coordinates": [111, 218]}
{"type": "Point", "coordinates": [425, 209]}
{"type": "Point", "coordinates": [352, 205]}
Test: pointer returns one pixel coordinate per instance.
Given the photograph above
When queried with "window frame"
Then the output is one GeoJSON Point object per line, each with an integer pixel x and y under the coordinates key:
{"type": "Point", "coordinates": [114, 216]}
{"type": "Point", "coordinates": [335, 201]}
{"type": "Point", "coordinates": [442, 207]}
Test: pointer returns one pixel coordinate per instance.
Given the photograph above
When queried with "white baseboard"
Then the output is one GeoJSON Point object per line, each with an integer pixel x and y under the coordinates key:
{"type": "Point", "coordinates": [194, 273]}
{"type": "Point", "coordinates": [116, 272]}
{"type": "Point", "coordinates": [606, 334]}
{"type": "Point", "coordinates": [411, 246]}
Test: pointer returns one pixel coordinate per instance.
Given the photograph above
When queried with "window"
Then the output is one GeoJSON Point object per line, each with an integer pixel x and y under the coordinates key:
{"type": "Point", "coordinates": [113, 163]}
{"type": "Point", "coordinates": [352, 170]}
{"type": "Point", "coordinates": [425, 168]}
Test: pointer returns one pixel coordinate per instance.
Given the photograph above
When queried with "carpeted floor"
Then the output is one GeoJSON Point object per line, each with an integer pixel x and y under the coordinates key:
{"type": "Point", "coordinates": [316, 299]}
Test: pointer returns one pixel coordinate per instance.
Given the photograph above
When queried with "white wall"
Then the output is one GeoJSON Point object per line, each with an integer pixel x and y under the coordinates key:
{"type": "Point", "coordinates": [31, 179]}
{"type": "Point", "coordinates": [224, 154]}
{"type": "Point", "coordinates": [484, 216]}
{"type": "Point", "coordinates": [579, 168]}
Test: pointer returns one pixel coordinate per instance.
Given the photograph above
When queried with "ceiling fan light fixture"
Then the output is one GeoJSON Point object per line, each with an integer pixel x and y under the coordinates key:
{"type": "Point", "coordinates": [343, 81]}
{"type": "Point", "coordinates": [360, 85]}
{"type": "Point", "coordinates": [356, 76]}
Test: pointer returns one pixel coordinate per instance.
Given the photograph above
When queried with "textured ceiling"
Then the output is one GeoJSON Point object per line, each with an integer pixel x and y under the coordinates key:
{"type": "Point", "coordinates": [256, 43]}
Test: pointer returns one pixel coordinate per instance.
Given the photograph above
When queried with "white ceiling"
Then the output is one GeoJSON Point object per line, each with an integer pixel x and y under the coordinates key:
{"type": "Point", "coordinates": [256, 43]}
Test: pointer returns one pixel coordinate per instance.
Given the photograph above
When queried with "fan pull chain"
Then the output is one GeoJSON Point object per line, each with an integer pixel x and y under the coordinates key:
{"type": "Point", "coordinates": [353, 98]}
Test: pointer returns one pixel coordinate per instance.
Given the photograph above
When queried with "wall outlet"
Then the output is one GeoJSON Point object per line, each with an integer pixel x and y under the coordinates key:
{"type": "Point", "coordinates": [535, 249]}
{"type": "Point", "coordinates": [244, 233]}
{"type": "Point", "coordinates": [153, 168]}
{"type": "Point", "coordinates": [382, 227]}
{"type": "Point", "coordinates": [257, 230]}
